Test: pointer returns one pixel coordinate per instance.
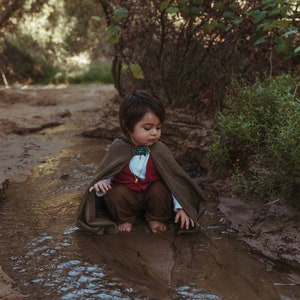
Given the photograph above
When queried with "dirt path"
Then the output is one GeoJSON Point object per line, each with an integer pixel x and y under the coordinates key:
{"type": "Point", "coordinates": [42, 151]}
{"type": "Point", "coordinates": [29, 110]}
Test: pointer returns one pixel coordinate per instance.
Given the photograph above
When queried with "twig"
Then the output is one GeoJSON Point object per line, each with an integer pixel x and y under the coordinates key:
{"type": "Point", "coordinates": [4, 78]}
{"type": "Point", "coordinates": [272, 202]}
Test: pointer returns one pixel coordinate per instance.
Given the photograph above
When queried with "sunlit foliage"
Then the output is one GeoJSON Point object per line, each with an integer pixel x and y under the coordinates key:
{"type": "Point", "coordinates": [54, 40]}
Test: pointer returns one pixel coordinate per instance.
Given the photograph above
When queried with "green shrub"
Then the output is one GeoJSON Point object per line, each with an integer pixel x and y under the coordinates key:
{"type": "Point", "coordinates": [96, 72]}
{"type": "Point", "coordinates": [25, 61]}
{"type": "Point", "coordinates": [258, 134]}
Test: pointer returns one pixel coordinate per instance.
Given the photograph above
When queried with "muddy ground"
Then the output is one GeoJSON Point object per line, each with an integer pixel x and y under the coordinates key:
{"type": "Point", "coordinates": [268, 228]}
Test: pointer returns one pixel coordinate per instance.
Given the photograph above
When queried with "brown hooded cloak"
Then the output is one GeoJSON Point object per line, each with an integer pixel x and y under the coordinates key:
{"type": "Point", "coordinates": [97, 220]}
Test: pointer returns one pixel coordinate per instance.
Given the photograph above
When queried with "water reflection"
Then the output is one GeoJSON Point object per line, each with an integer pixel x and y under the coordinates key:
{"type": "Point", "coordinates": [50, 272]}
{"type": "Point", "coordinates": [190, 292]}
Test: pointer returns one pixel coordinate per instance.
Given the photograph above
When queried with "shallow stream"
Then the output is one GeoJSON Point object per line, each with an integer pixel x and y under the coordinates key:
{"type": "Point", "coordinates": [49, 258]}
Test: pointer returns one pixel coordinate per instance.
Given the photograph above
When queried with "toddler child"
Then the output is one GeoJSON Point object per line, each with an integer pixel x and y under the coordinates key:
{"type": "Point", "coordinates": [140, 174]}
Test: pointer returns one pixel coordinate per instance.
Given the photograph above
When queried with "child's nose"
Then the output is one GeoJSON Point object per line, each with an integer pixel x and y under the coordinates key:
{"type": "Point", "coordinates": [154, 131]}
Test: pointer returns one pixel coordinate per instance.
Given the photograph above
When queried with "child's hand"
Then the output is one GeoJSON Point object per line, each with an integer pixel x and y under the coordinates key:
{"type": "Point", "coordinates": [186, 221]}
{"type": "Point", "coordinates": [101, 185]}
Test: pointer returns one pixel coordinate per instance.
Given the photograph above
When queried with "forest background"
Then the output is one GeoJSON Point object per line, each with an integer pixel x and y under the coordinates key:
{"type": "Point", "coordinates": [236, 62]}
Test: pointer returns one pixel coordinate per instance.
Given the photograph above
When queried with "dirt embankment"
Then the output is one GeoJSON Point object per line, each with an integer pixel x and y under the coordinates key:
{"type": "Point", "coordinates": [270, 228]}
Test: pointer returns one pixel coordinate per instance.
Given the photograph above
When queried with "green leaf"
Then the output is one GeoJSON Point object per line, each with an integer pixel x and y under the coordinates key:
{"type": "Point", "coordinates": [261, 40]}
{"type": "Point", "coordinates": [113, 39]}
{"type": "Point", "coordinates": [228, 15]}
{"type": "Point", "coordinates": [234, 5]}
{"type": "Point", "coordinates": [124, 68]}
{"type": "Point", "coordinates": [208, 27]}
{"type": "Point", "coordinates": [268, 4]}
{"type": "Point", "coordinates": [266, 26]}
{"type": "Point", "coordinates": [114, 34]}
{"type": "Point", "coordinates": [164, 5]}
{"type": "Point", "coordinates": [194, 11]}
{"type": "Point", "coordinates": [121, 12]}
{"type": "Point", "coordinates": [274, 12]}
{"type": "Point", "coordinates": [297, 49]}
{"type": "Point", "coordinates": [219, 5]}
{"type": "Point", "coordinates": [258, 15]}
{"type": "Point", "coordinates": [114, 30]}
{"type": "Point", "coordinates": [137, 71]}
{"type": "Point", "coordinates": [172, 10]}
{"type": "Point", "coordinates": [237, 21]}
{"type": "Point", "coordinates": [220, 25]}
{"type": "Point", "coordinates": [281, 46]}
{"type": "Point", "coordinates": [292, 31]}
{"type": "Point", "coordinates": [96, 18]}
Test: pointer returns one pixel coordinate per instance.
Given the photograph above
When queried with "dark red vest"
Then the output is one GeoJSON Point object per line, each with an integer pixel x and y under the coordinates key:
{"type": "Point", "coordinates": [133, 182]}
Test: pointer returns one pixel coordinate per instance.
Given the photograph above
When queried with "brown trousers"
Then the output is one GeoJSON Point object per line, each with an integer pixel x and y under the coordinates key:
{"type": "Point", "coordinates": [124, 203]}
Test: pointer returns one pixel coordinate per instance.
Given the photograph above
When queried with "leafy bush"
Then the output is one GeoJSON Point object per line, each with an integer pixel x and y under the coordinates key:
{"type": "Point", "coordinates": [258, 134]}
{"type": "Point", "coordinates": [95, 73]}
{"type": "Point", "coordinates": [25, 61]}
{"type": "Point", "coordinates": [185, 51]}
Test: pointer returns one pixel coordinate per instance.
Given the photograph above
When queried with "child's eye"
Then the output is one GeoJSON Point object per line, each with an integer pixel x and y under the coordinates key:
{"type": "Point", "coordinates": [149, 128]}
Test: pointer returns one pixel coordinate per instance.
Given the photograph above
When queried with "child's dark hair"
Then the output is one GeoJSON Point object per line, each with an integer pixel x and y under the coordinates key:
{"type": "Point", "coordinates": [135, 106]}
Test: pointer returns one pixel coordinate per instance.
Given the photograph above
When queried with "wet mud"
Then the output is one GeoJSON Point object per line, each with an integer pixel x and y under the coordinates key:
{"type": "Point", "coordinates": [48, 257]}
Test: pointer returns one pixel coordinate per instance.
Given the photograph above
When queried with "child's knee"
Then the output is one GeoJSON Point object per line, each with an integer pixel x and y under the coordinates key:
{"type": "Point", "coordinates": [118, 195]}
{"type": "Point", "coordinates": [159, 189]}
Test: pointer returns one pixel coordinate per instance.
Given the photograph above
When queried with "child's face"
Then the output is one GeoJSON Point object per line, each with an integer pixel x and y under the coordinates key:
{"type": "Point", "coordinates": [147, 131]}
